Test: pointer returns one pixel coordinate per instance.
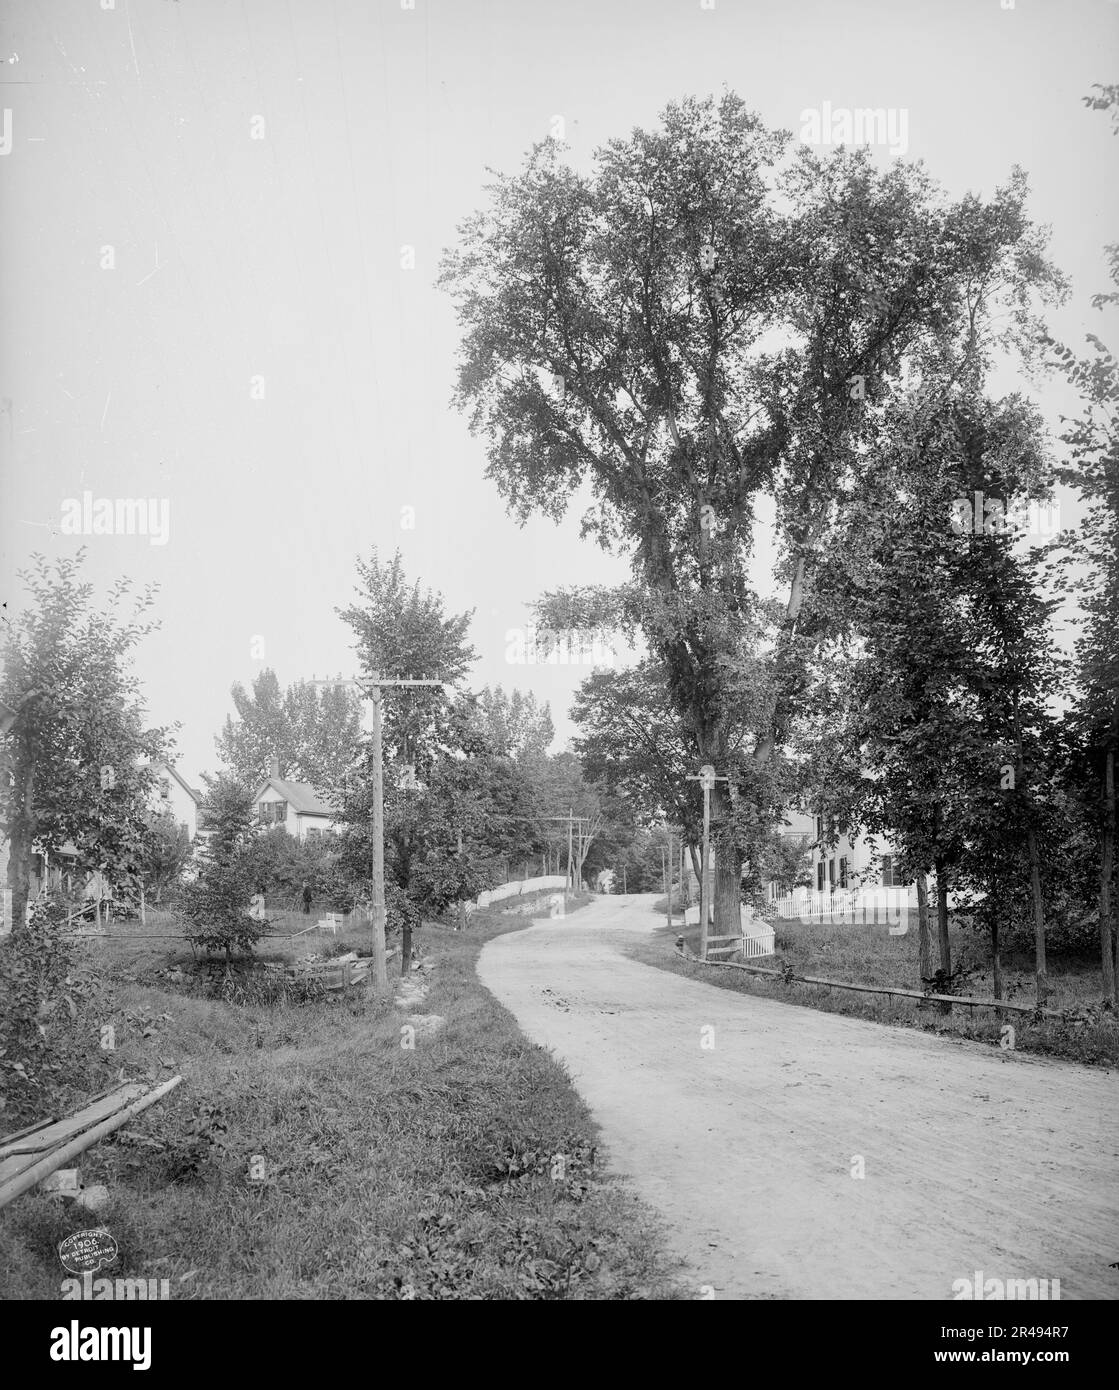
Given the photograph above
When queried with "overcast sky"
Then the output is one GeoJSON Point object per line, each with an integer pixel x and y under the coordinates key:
{"type": "Point", "coordinates": [223, 323]}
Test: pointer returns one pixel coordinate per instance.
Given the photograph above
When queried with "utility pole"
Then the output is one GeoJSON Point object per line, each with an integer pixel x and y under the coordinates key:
{"type": "Point", "coordinates": [570, 820]}
{"type": "Point", "coordinates": [707, 779]}
{"type": "Point", "coordinates": [375, 685]}
{"type": "Point", "coordinates": [666, 877]}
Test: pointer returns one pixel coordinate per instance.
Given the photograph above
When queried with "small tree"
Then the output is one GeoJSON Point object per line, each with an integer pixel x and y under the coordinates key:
{"type": "Point", "coordinates": [165, 853]}
{"type": "Point", "coordinates": [216, 904]}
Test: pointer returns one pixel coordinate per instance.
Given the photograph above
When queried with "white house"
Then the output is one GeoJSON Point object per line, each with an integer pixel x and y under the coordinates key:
{"type": "Point", "coordinates": [174, 796]}
{"type": "Point", "coordinates": [854, 861]}
{"type": "Point", "coordinates": [294, 805]}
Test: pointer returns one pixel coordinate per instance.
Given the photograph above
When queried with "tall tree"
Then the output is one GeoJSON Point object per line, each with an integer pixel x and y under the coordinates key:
{"type": "Point", "coordinates": [945, 739]}
{"type": "Point", "coordinates": [693, 326]}
{"type": "Point", "coordinates": [517, 727]}
{"type": "Point", "coordinates": [440, 768]}
{"type": "Point", "coordinates": [75, 753]}
{"type": "Point", "coordinates": [313, 733]}
{"type": "Point", "coordinates": [1093, 470]}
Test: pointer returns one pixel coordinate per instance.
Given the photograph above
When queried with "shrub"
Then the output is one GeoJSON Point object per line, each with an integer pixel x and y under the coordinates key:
{"type": "Point", "coordinates": [216, 909]}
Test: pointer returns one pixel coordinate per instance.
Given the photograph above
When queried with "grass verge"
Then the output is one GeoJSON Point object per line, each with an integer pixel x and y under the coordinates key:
{"type": "Point", "coordinates": [867, 954]}
{"type": "Point", "coordinates": [310, 1152]}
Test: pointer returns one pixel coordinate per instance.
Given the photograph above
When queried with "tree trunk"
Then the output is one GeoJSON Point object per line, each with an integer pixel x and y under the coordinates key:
{"type": "Point", "coordinates": [19, 876]}
{"type": "Point", "coordinates": [21, 836]}
{"type": "Point", "coordinates": [943, 943]}
{"type": "Point", "coordinates": [1039, 918]}
{"type": "Point", "coordinates": [924, 938]}
{"type": "Point", "coordinates": [996, 960]}
{"type": "Point", "coordinates": [1107, 870]}
{"type": "Point", "coordinates": [728, 869]}
{"type": "Point", "coordinates": [405, 949]}
{"type": "Point", "coordinates": [728, 896]}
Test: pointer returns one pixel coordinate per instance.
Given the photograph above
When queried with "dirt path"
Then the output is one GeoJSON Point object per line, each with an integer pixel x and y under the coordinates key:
{"type": "Point", "coordinates": [974, 1159]}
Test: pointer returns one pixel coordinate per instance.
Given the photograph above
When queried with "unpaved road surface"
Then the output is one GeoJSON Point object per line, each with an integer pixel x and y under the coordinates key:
{"type": "Point", "coordinates": [974, 1159]}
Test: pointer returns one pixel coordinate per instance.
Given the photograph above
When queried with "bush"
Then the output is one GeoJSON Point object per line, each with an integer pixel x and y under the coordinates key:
{"type": "Point", "coordinates": [216, 910]}
{"type": "Point", "coordinates": [281, 864]}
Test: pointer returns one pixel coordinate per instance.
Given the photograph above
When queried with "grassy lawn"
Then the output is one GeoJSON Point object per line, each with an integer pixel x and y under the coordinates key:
{"type": "Point", "coordinates": [308, 1153]}
{"type": "Point", "coordinates": [868, 955]}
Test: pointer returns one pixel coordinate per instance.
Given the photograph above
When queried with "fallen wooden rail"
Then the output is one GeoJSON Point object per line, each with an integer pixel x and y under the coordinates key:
{"type": "Point", "coordinates": [31, 1155]}
{"type": "Point", "coordinates": [874, 989]}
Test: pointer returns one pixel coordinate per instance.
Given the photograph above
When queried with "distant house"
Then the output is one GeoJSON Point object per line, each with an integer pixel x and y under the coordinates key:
{"type": "Point", "coordinates": [854, 861]}
{"type": "Point", "coordinates": [294, 805]}
{"type": "Point", "coordinates": [174, 796]}
{"type": "Point", "coordinates": [796, 828]}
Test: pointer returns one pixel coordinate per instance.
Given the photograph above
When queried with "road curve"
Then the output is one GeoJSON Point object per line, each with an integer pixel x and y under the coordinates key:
{"type": "Point", "coordinates": [746, 1137]}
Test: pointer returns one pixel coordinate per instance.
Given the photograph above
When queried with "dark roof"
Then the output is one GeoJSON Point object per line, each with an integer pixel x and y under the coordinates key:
{"type": "Point", "coordinates": [299, 795]}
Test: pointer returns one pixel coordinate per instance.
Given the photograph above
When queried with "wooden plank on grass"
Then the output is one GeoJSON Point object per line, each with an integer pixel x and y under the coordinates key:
{"type": "Point", "coordinates": [47, 1135]}
{"type": "Point", "coordinates": [22, 1171]}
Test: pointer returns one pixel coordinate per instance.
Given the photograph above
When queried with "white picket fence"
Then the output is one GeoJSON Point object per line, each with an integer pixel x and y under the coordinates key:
{"type": "Point", "coordinates": [874, 903]}
{"type": "Point", "coordinates": [758, 936]}
{"type": "Point", "coordinates": [762, 941]}
{"type": "Point", "coordinates": [809, 905]}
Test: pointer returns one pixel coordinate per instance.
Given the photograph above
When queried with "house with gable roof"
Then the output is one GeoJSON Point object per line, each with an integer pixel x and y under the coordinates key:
{"type": "Point", "coordinates": [172, 795]}
{"type": "Point", "coordinates": [294, 805]}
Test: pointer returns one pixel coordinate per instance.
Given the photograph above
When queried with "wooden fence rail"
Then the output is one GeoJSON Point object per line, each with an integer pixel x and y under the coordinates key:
{"type": "Point", "coordinates": [874, 989]}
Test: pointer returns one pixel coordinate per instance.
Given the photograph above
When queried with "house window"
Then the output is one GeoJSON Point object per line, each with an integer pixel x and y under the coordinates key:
{"type": "Point", "coordinates": [831, 873]}
{"type": "Point", "coordinates": [820, 877]}
{"type": "Point", "coordinates": [843, 873]}
{"type": "Point", "coordinates": [165, 788]}
{"type": "Point", "coordinates": [888, 871]}
{"type": "Point", "coordinates": [313, 832]}
{"type": "Point", "coordinates": [273, 812]}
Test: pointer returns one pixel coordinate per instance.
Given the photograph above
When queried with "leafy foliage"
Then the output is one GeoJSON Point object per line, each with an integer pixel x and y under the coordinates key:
{"type": "Point", "coordinates": [166, 851]}
{"type": "Point", "coordinates": [312, 732]}
{"type": "Point", "coordinates": [75, 756]}
{"type": "Point", "coordinates": [215, 904]}
{"type": "Point", "coordinates": [677, 332]}
{"type": "Point", "coordinates": [52, 1006]}
{"type": "Point", "coordinates": [515, 726]}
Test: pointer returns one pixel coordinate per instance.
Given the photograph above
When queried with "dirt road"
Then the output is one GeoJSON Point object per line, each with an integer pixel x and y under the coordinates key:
{"type": "Point", "coordinates": [974, 1159]}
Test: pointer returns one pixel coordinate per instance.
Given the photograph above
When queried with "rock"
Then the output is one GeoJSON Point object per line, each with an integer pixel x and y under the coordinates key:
{"type": "Point", "coordinates": [95, 1198]}
{"type": "Point", "coordinates": [63, 1182]}
{"type": "Point", "coordinates": [426, 1023]}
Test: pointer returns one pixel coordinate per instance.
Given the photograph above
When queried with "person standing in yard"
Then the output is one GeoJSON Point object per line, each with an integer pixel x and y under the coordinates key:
{"type": "Point", "coordinates": [306, 897]}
